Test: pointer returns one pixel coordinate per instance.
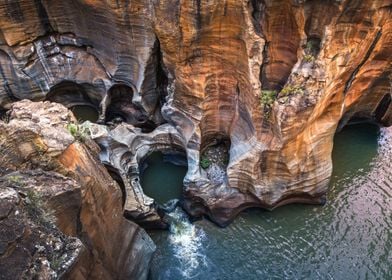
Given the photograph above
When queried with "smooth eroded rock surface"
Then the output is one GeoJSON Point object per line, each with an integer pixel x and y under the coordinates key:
{"type": "Point", "coordinates": [273, 79]}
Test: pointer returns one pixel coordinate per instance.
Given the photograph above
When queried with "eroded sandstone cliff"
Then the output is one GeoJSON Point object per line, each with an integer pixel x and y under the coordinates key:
{"type": "Point", "coordinates": [272, 80]}
{"type": "Point", "coordinates": [61, 212]}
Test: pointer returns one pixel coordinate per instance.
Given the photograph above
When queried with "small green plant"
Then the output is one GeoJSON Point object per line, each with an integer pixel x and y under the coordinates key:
{"type": "Point", "coordinates": [205, 162]}
{"type": "Point", "coordinates": [79, 132]}
{"type": "Point", "coordinates": [291, 89]}
{"type": "Point", "coordinates": [267, 97]}
{"type": "Point", "coordinates": [72, 128]}
{"type": "Point", "coordinates": [309, 58]}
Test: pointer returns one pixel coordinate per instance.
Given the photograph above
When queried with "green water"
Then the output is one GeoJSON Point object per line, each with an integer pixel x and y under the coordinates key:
{"type": "Point", "coordinates": [84, 113]}
{"type": "Point", "coordinates": [348, 238]}
{"type": "Point", "coordinates": [161, 179]}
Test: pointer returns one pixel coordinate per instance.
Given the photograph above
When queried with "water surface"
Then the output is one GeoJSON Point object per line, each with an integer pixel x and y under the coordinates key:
{"type": "Point", "coordinates": [348, 238]}
{"type": "Point", "coordinates": [85, 113]}
{"type": "Point", "coordinates": [161, 179]}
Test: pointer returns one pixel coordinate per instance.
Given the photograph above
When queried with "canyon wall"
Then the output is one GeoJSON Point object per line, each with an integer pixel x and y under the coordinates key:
{"type": "Point", "coordinates": [61, 212]}
{"type": "Point", "coordinates": [271, 80]}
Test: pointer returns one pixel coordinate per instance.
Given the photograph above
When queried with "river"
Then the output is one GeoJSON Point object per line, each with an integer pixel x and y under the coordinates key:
{"type": "Point", "coordinates": [348, 238]}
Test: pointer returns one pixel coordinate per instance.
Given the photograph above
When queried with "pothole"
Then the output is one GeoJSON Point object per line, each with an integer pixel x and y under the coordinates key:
{"type": "Point", "coordinates": [162, 176]}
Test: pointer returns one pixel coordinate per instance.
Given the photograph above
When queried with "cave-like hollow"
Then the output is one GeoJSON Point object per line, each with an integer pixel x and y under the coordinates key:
{"type": "Point", "coordinates": [358, 135]}
{"type": "Point", "coordinates": [215, 152]}
{"type": "Point", "coordinates": [120, 104]}
{"type": "Point", "coordinates": [162, 175]}
{"type": "Point", "coordinates": [121, 108]}
{"type": "Point", "coordinates": [80, 99]}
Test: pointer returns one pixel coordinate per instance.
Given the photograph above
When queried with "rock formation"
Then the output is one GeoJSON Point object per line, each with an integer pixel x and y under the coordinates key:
{"type": "Point", "coordinates": [61, 211]}
{"type": "Point", "coordinates": [273, 80]}
{"type": "Point", "coordinates": [31, 245]}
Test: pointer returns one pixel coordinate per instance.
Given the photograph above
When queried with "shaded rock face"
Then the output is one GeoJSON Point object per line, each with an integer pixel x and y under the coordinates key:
{"type": "Point", "coordinates": [32, 247]}
{"type": "Point", "coordinates": [84, 201]}
{"type": "Point", "coordinates": [274, 79]}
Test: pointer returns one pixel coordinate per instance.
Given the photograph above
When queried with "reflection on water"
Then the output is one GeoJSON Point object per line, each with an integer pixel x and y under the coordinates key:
{"type": "Point", "coordinates": [348, 238]}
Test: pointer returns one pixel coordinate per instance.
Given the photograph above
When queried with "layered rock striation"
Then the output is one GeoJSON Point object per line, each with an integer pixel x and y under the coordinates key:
{"type": "Point", "coordinates": [61, 212]}
{"type": "Point", "coordinates": [273, 80]}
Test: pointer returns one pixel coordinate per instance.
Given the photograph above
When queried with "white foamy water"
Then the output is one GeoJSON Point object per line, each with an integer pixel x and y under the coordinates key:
{"type": "Point", "coordinates": [187, 243]}
{"type": "Point", "coordinates": [385, 141]}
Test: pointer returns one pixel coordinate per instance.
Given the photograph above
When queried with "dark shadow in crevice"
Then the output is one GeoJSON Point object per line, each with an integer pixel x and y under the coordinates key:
{"type": "Point", "coordinates": [258, 7]}
{"type": "Point", "coordinates": [80, 99]}
{"type": "Point", "coordinates": [122, 109]}
{"type": "Point", "coordinates": [3, 115]}
{"type": "Point", "coordinates": [161, 72]}
{"type": "Point", "coordinates": [120, 105]}
{"type": "Point", "coordinates": [313, 46]}
{"type": "Point", "coordinates": [266, 85]}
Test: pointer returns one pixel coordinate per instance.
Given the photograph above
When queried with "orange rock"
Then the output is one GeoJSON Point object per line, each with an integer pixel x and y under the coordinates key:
{"type": "Point", "coordinates": [203, 67]}
{"type": "Point", "coordinates": [87, 204]}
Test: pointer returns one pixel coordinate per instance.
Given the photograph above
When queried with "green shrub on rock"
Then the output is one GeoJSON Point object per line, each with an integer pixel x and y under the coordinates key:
{"type": "Point", "coordinates": [79, 132]}
{"type": "Point", "coordinates": [267, 97]}
{"type": "Point", "coordinates": [309, 58]}
{"type": "Point", "coordinates": [290, 90]}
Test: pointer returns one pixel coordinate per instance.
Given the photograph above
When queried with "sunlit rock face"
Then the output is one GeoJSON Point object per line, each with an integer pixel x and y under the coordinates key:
{"type": "Point", "coordinates": [54, 189]}
{"type": "Point", "coordinates": [273, 79]}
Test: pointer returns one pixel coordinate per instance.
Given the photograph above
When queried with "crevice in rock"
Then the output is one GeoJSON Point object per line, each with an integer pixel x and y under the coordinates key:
{"type": "Point", "coordinates": [198, 15]}
{"type": "Point", "coordinates": [366, 57]}
{"type": "Point", "coordinates": [313, 46]}
{"type": "Point", "coordinates": [282, 37]}
{"type": "Point", "coordinates": [318, 15]}
{"type": "Point", "coordinates": [43, 16]}
{"type": "Point", "coordinates": [258, 7]}
{"type": "Point", "coordinates": [3, 115]}
{"type": "Point", "coordinates": [161, 72]}
{"type": "Point", "coordinates": [5, 80]}
{"type": "Point", "coordinates": [263, 68]}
